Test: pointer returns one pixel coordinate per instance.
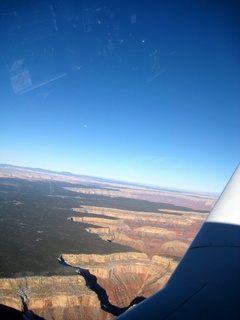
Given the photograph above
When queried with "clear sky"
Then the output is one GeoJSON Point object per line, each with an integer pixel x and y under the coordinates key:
{"type": "Point", "coordinates": [150, 92]}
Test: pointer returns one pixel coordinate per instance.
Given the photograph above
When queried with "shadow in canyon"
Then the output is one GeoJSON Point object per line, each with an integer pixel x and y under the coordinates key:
{"type": "Point", "coordinates": [91, 283]}
{"type": "Point", "coordinates": [8, 313]}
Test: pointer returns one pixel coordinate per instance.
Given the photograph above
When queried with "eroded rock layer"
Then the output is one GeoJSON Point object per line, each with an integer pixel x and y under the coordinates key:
{"type": "Point", "coordinates": [108, 287]}
{"type": "Point", "coordinates": [167, 232]}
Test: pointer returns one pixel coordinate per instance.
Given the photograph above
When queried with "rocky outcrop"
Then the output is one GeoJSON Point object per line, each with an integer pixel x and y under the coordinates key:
{"type": "Point", "coordinates": [60, 297]}
{"type": "Point", "coordinates": [106, 287]}
{"type": "Point", "coordinates": [167, 232]}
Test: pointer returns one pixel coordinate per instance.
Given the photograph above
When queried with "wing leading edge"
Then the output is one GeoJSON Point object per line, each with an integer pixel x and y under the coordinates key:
{"type": "Point", "coordinates": [206, 283]}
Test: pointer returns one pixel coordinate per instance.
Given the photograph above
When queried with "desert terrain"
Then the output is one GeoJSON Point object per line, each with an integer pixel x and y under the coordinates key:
{"type": "Point", "coordinates": [77, 247]}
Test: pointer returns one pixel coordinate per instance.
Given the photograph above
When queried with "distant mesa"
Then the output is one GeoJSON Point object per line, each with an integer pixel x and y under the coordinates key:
{"type": "Point", "coordinates": [159, 233]}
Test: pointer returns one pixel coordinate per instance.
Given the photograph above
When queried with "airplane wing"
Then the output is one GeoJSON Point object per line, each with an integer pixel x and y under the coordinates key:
{"type": "Point", "coordinates": [206, 283]}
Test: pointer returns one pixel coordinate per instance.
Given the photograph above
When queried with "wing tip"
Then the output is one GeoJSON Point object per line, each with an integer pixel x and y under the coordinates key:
{"type": "Point", "coordinates": [227, 207]}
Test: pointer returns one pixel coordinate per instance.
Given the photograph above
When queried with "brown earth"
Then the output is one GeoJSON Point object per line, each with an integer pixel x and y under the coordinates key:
{"type": "Point", "coordinates": [167, 232]}
{"type": "Point", "coordinates": [125, 277]}
{"type": "Point", "coordinates": [106, 285]}
{"type": "Point", "coordinates": [184, 199]}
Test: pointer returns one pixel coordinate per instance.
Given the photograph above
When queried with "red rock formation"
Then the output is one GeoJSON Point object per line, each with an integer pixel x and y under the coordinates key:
{"type": "Point", "coordinates": [124, 277]}
{"type": "Point", "coordinates": [167, 232]}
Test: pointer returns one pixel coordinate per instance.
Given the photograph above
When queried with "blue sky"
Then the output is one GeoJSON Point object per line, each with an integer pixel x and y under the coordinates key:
{"type": "Point", "coordinates": [151, 94]}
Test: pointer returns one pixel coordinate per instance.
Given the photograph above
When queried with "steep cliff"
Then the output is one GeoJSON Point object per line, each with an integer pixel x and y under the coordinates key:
{"type": "Point", "coordinates": [50, 297]}
{"type": "Point", "coordinates": [167, 232]}
{"type": "Point", "coordinates": [104, 288]}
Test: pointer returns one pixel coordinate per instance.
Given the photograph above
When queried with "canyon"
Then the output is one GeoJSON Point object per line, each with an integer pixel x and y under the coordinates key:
{"type": "Point", "coordinates": [167, 232]}
{"type": "Point", "coordinates": [132, 240]}
{"type": "Point", "coordinates": [128, 277]}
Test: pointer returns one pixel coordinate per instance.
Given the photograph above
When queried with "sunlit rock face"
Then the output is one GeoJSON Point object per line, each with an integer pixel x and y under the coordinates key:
{"type": "Point", "coordinates": [106, 287]}
{"type": "Point", "coordinates": [166, 232]}
{"type": "Point", "coordinates": [126, 276]}
{"type": "Point", "coordinates": [49, 297]}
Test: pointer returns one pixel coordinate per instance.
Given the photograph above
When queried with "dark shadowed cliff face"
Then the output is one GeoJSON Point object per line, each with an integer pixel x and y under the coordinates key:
{"type": "Point", "coordinates": [110, 285]}
{"type": "Point", "coordinates": [8, 313]}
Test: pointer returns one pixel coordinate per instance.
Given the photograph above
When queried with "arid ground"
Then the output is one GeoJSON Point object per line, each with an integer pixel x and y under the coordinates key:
{"type": "Point", "coordinates": [119, 235]}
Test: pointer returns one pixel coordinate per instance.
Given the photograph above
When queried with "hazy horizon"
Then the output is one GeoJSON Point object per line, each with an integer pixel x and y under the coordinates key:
{"type": "Point", "coordinates": [111, 180]}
